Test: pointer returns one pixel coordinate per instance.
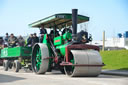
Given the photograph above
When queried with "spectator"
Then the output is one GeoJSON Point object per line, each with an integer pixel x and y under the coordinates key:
{"type": "Point", "coordinates": [35, 39]}
{"type": "Point", "coordinates": [1, 41]}
{"type": "Point", "coordinates": [12, 40]}
{"type": "Point", "coordinates": [30, 40]}
{"type": "Point", "coordinates": [6, 39]}
{"type": "Point", "coordinates": [21, 41]}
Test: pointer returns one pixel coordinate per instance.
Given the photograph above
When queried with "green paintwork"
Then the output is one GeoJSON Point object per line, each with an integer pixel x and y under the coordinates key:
{"type": "Point", "coordinates": [45, 39]}
{"type": "Point", "coordinates": [62, 48]}
{"type": "Point", "coordinates": [15, 52]}
{"type": "Point", "coordinates": [60, 45]}
{"type": "Point", "coordinates": [67, 36]}
{"type": "Point", "coordinates": [57, 20]}
{"type": "Point", "coordinates": [58, 40]}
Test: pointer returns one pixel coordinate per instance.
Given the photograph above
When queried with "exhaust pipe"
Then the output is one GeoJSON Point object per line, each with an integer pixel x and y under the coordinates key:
{"type": "Point", "coordinates": [74, 21]}
{"type": "Point", "coordinates": [74, 24]}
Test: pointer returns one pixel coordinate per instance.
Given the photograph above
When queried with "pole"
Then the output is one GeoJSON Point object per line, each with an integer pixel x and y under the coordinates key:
{"type": "Point", "coordinates": [103, 41]}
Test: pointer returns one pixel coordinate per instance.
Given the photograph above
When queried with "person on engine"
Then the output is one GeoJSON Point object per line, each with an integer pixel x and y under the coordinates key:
{"type": "Point", "coordinates": [42, 32]}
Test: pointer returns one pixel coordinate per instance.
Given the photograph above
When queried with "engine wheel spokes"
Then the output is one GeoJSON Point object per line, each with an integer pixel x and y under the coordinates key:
{"type": "Point", "coordinates": [39, 53]}
{"type": "Point", "coordinates": [38, 59]}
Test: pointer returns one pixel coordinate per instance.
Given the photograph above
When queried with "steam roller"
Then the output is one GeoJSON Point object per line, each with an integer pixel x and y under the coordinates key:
{"type": "Point", "coordinates": [70, 51]}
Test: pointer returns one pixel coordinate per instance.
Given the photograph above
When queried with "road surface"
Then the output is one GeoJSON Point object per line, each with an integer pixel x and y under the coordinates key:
{"type": "Point", "coordinates": [55, 78]}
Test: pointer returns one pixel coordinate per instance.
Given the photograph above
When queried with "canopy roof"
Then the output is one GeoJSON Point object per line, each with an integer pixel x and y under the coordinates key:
{"type": "Point", "coordinates": [58, 20]}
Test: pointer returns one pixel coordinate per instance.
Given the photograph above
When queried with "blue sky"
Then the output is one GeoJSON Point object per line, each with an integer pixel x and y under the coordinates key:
{"type": "Point", "coordinates": [108, 15]}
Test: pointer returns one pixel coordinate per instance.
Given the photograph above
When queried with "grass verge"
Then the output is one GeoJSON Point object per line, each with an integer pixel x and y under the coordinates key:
{"type": "Point", "coordinates": [115, 59]}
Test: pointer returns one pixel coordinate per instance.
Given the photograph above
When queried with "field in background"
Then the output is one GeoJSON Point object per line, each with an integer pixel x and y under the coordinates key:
{"type": "Point", "coordinates": [115, 59]}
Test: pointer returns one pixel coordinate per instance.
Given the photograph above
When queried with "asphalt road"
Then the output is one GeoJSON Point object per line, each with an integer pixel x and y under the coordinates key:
{"type": "Point", "coordinates": [56, 78]}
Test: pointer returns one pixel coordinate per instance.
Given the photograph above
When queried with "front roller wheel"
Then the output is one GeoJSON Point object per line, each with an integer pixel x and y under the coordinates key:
{"type": "Point", "coordinates": [85, 61]}
{"type": "Point", "coordinates": [39, 62]}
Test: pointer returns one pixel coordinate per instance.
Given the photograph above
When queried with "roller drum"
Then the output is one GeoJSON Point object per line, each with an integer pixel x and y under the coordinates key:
{"type": "Point", "coordinates": [86, 57]}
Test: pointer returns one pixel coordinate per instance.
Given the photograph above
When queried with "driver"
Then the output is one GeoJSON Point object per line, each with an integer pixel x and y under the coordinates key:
{"type": "Point", "coordinates": [42, 32]}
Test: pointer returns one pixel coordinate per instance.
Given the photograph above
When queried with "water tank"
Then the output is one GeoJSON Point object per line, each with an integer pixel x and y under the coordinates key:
{"type": "Point", "coordinates": [119, 35]}
{"type": "Point", "coordinates": [126, 34]}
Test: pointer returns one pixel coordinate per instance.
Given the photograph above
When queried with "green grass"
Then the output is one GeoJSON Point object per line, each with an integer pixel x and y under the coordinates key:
{"type": "Point", "coordinates": [115, 59]}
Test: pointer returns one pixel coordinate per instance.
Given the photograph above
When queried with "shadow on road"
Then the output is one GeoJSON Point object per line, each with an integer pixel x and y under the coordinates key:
{"type": "Point", "coordinates": [58, 73]}
{"type": "Point", "coordinates": [8, 78]}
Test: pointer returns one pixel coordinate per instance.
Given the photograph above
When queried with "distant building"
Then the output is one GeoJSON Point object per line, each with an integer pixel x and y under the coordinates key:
{"type": "Point", "coordinates": [121, 41]}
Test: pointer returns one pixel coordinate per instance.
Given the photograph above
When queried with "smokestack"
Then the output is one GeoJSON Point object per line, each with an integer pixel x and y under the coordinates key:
{"type": "Point", "coordinates": [74, 21]}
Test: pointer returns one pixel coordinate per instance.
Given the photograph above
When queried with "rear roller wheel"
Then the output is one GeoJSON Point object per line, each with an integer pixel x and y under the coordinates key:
{"type": "Point", "coordinates": [6, 65]}
{"type": "Point", "coordinates": [39, 62]}
{"type": "Point", "coordinates": [84, 57]}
